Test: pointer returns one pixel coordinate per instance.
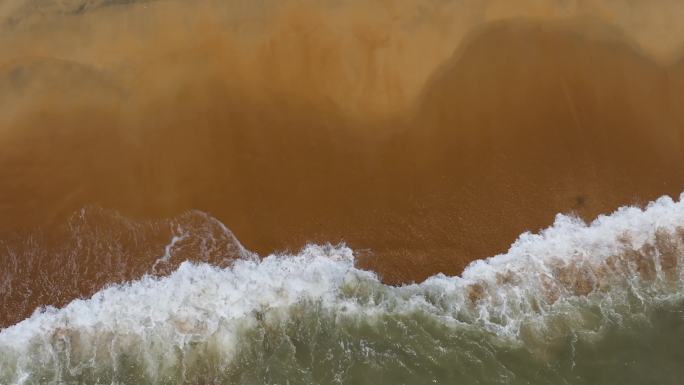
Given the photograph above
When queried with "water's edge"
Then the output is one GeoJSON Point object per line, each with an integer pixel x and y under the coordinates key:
{"type": "Point", "coordinates": [554, 308]}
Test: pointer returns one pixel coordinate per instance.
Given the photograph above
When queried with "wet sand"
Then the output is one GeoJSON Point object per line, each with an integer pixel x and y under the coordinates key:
{"type": "Point", "coordinates": [524, 120]}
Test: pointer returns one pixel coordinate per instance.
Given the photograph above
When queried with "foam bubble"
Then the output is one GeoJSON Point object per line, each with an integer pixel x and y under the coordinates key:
{"type": "Point", "coordinates": [572, 277]}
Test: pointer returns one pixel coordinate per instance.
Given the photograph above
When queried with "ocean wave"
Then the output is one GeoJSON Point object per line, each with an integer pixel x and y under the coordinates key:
{"type": "Point", "coordinates": [317, 318]}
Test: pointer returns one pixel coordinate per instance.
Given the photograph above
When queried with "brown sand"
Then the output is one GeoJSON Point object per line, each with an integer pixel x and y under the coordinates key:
{"type": "Point", "coordinates": [312, 124]}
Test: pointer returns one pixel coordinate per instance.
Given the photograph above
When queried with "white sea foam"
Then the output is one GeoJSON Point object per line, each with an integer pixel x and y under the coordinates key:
{"type": "Point", "coordinates": [554, 281]}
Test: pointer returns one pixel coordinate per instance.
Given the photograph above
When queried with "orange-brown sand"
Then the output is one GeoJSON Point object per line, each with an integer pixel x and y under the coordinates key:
{"type": "Point", "coordinates": [423, 135]}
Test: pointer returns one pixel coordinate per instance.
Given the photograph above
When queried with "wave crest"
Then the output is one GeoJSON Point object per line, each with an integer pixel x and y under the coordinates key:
{"type": "Point", "coordinates": [572, 279]}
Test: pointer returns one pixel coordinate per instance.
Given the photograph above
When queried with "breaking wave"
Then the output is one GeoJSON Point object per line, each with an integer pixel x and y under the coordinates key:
{"type": "Point", "coordinates": [542, 312]}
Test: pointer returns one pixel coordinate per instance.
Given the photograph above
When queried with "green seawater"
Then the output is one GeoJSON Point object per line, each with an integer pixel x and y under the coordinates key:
{"type": "Point", "coordinates": [315, 347]}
